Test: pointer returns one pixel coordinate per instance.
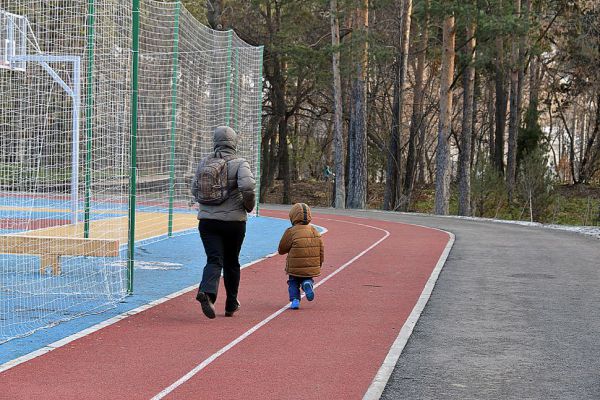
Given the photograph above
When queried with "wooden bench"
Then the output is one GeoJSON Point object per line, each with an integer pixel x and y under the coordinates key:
{"type": "Point", "coordinates": [51, 248]}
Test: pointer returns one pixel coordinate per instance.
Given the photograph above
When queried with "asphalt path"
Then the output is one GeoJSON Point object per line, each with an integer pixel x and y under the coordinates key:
{"type": "Point", "coordinates": [515, 314]}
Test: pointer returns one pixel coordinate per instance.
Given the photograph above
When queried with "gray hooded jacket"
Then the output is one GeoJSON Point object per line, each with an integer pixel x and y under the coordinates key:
{"type": "Point", "coordinates": [240, 180]}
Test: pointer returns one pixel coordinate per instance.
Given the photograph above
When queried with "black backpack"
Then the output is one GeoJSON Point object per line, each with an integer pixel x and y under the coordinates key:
{"type": "Point", "coordinates": [212, 180]}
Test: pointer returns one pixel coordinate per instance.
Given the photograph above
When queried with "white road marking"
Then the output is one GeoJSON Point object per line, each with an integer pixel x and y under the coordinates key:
{"type": "Point", "coordinates": [378, 384]}
{"type": "Point", "coordinates": [103, 324]}
{"type": "Point", "coordinates": [256, 327]}
{"type": "Point", "coordinates": [59, 343]}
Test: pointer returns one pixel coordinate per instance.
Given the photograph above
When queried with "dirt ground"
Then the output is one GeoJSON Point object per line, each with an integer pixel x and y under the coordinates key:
{"type": "Point", "coordinates": [319, 194]}
{"type": "Point", "coordinates": [579, 191]}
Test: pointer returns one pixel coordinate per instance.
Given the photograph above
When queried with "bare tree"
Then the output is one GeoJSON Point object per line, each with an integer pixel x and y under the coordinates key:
{"type": "Point", "coordinates": [357, 147]}
{"type": "Point", "coordinates": [338, 138]}
{"type": "Point", "coordinates": [464, 179]}
{"type": "Point", "coordinates": [501, 100]}
{"type": "Point", "coordinates": [417, 125]}
{"type": "Point", "coordinates": [442, 173]}
{"type": "Point", "coordinates": [514, 115]}
{"type": "Point", "coordinates": [392, 195]}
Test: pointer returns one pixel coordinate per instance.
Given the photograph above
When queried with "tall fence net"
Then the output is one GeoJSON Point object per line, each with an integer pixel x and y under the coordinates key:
{"type": "Point", "coordinates": [65, 151]}
{"type": "Point", "coordinates": [198, 78]}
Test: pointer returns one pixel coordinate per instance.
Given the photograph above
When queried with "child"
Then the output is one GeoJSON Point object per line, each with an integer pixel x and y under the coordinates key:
{"type": "Point", "coordinates": [305, 251]}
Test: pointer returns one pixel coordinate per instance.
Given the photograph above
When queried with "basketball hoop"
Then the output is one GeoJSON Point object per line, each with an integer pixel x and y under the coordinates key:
{"type": "Point", "coordinates": [13, 40]}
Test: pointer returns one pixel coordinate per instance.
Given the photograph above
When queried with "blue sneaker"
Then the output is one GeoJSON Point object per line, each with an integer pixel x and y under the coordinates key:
{"type": "Point", "coordinates": [308, 289]}
{"type": "Point", "coordinates": [295, 304]}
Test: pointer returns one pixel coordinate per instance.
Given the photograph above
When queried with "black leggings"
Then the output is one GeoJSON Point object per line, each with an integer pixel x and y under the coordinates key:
{"type": "Point", "coordinates": [222, 242]}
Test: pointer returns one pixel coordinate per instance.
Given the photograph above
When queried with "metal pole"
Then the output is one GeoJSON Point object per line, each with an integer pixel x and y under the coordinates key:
{"type": "Point", "coordinates": [135, 48]}
{"type": "Point", "coordinates": [236, 89]}
{"type": "Point", "coordinates": [228, 91]}
{"type": "Point", "coordinates": [173, 116]}
{"type": "Point", "coordinates": [75, 94]}
{"type": "Point", "coordinates": [88, 118]}
{"type": "Point", "coordinates": [75, 145]}
{"type": "Point", "coordinates": [259, 133]}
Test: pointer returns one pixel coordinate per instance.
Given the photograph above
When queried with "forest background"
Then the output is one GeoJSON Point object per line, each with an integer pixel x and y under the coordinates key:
{"type": "Point", "coordinates": [478, 108]}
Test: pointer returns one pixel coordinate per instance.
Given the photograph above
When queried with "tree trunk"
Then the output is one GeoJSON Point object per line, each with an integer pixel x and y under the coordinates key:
{"type": "Point", "coordinates": [283, 155]}
{"type": "Point", "coordinates": [491, 122]}
{"type": "Point", "coordinates": [464, 179]}
{"type": "Point", "coordinates": [405, 20]}
{"type": "Point", "coordinates": [419, 171]}
{"type": "Point", "coordinates": [501, 99]}
{"type": "Point", "coordinates": [442, 174]}
{"type": "Point", "coordinates": [581, 140]}
{"type": "Point", "coordinates": [295, 146]}
{"type": "Point", "coordinates": [572, 145]}
{"type": "Point", "coordinates": [214, 9]}
{"type": "Point", "coordinates": [534, 83]}
{"type": "Point", "coordinates": [338, 137]}
{"type": "Point", "coordinates": [401, 199]}
{"type": "Point", "coordinates": [475, 137]}
{"type": "Point", "coordinates": [357, 191]}
{"type": "Point", "coordinates": [268, 158]}
{"type": "Point", "coordinates": [393, 162]}
{"type": "Point", "coordinates": [275, 152]}
{"type": "Point", "coordinates": [592, 147]}
{"type": "Point", "coordinates": [571, 137]}
{"type": "Point", "coordinates": [280, 108]}
{"type": "Point", "coordinates": [514, 117]}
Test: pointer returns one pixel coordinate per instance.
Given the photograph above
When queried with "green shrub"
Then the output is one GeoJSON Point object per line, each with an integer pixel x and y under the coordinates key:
{"type": "Point", "coordinates": [536, 184]}
{"type": "Point", "coordinates": [488, 191]}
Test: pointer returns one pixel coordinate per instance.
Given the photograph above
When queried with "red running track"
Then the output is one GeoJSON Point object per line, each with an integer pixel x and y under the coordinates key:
{"type": "Point", "coordinates": [329, 349]}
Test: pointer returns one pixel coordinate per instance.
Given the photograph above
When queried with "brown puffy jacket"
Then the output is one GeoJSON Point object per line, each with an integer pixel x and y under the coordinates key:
{"type": "Point", "coordinates": [303, 243]}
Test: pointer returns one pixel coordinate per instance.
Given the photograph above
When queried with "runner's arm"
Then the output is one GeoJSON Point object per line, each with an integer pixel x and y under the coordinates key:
{"type": "Point", "coordinates": [246, 185]}
{"type": "Point", "coordinates": [285, 244]}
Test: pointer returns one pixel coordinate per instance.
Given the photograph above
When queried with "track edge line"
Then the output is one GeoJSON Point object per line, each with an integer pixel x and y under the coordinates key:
{"type": "Point", "coordinates": [384, 373]}
{"type": "Point", "coordinates": [87, 331]}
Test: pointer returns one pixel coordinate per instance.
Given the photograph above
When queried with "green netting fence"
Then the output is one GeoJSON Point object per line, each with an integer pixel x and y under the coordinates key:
{"type": "Point", "coordinates": [106, 108]}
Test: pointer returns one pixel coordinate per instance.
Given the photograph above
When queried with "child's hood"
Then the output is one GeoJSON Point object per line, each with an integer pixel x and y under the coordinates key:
{"type": "Point", "coordinates": [300, 214]}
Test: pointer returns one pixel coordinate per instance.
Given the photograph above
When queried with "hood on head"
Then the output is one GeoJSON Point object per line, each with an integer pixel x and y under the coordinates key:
{"type": "Point", "coordinates": [300, 214]}
{"type": "Point", "coordinates": [224, 137]}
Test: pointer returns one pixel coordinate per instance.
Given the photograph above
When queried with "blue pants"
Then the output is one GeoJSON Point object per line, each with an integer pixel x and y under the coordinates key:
{"type": "Point", "coordinates": [294, 283]}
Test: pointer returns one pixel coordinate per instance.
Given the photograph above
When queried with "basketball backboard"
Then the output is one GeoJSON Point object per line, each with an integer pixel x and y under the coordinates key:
{"type": "Point", "coordinates": [13, 40]}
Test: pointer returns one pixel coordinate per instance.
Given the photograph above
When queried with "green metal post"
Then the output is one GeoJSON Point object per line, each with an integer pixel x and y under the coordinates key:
{"type": "Point", "coordinates": [88, 117]}
{"type": "Point", "coordinates": [259, 133]}
{"type": "Point", "coordinates": [236, 89]}
{"type": "Point", "coordinates": [173, 116]}
{"type": "Point", "coordinates": [135, 49]}
{"type": "Point", "coordinates": [228, 90]}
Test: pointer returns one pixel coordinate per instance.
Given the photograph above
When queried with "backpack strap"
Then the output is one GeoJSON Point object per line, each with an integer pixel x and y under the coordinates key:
{"type": "Point", "coordinates": [227, 158]}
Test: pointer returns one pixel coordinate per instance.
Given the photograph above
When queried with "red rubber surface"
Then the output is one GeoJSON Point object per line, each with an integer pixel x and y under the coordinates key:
{"type": "Point", "coordinates": [330, 348]}
{"type": "Point", "coordinates": [28, 224]}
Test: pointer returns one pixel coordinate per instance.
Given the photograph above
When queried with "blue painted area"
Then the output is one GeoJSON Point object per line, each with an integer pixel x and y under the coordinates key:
{"type": "Point", "coordinates": [179, 261]}
{"type": "Point", "coordinates": [41, 203]}
{"type": "Point", "coordinates": [32, 214]}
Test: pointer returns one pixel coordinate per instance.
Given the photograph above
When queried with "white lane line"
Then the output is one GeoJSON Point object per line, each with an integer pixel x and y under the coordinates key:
{"type": "Point", "coordinates": [256, 327]}
{"type": "Point", "coordinates": [61, 342]}
{"type": "Point", "coordinates": [378, 384]}
{"type": "Point", "coordinates": [103, 324]}
{"type": "Point", "coordinates": [87, 331]}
